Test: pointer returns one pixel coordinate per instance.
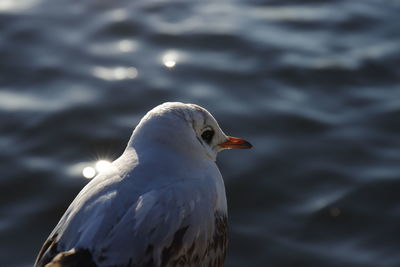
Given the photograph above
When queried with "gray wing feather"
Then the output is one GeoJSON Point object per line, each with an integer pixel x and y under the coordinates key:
{"type": "Point", "coordinates": [175, 223]}
{"type": "Point", "coordinates": [162, 226]}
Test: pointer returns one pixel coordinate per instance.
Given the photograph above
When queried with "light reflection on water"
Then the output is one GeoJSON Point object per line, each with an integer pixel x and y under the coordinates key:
{"type": "Point", "coordinates": [118, 73]}
{"type": "Point", "coordinates": [102, 165]}
{"type": "Point", "coordinates": [306, 82]}
{"type": "Point", "coordinates": [169, 59]}
{"type": "Point", "coordinates": [90, 172]}
{"type": "Point", "coordinates": [12, 6]}
{"type": "Point", "coordinates": [126, 46]}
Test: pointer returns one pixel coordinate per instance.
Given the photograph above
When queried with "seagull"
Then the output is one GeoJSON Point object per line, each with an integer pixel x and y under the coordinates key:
{"type": "Point", "coordinates": [162, 203]}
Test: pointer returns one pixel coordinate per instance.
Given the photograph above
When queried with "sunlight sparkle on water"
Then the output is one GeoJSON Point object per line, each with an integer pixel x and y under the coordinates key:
{"type": "Point", "coordinates": [102, 165]}
{"type": "Point", "coordinates": [88, 172]}
{"type": "Point", "coordinates": [91, 171]}
{"type": "Point", "coordinates": [6, 4]}
{"type": "Point", "coordinates": [118, 73]}
{"type": "Point", "coordinates": [169, 59]}
{"type": "Point", "coordinates": [170, 63]}
{"type": "Point", "coordinates": [12, 5]}
{"type": "Point", "coordinates": [126, 46]}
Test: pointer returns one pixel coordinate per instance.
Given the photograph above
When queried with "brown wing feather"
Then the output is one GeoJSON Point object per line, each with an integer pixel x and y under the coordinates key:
{"type": "Point", "coordinates": [219, 244]}
{"type": "Point", "coordinates": [72, 258]}
{"type": "Point", "coordinates": [176, 255]}
{"type": "Point", "coordinates": [50, 256]}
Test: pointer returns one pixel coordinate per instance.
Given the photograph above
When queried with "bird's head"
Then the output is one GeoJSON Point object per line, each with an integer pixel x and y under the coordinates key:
{"type": "Point", "coordinates": [185, 127]}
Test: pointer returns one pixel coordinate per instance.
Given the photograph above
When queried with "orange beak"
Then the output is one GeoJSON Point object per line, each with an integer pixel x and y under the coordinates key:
{"type": "Point", "coordinates": [235, 142]}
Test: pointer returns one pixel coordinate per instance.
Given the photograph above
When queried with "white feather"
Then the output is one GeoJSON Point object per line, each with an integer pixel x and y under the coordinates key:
{"type": "Point", "coordinates": [165, 180]}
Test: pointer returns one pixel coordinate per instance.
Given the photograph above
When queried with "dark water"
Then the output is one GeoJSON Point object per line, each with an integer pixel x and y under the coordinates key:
{"type": "Point", "coordinates": [315, 85]}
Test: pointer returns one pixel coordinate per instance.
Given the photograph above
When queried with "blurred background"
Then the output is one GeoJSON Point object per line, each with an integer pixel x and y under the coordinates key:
{"type": "Point", "coordinates": [313, 84]}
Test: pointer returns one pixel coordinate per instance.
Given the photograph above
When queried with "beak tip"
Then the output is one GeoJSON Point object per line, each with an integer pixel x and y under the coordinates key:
{"type": "Point", "coordinates": [249, 145]}
{"type": "Point", "coordinates": [234, 142]}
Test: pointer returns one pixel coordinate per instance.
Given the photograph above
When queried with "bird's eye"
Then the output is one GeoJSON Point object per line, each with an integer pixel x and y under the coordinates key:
{"type": "Point", "coordinates": [207, 136]}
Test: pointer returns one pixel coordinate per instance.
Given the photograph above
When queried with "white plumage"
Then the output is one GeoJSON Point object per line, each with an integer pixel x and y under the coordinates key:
{"type": "Point", "coordinates": [161, 203]}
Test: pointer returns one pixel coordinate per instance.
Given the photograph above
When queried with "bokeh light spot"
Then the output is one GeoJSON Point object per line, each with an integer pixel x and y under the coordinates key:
{"type": "Point", "coordinates": [170, 63]}
{"type": "Point", "coordinates": [118, 73]}
{"type": "Point", "coordinates": [126, 46]}
{"type": "Point", "coordinates": [102, 165]}
{"type": "Point", "coordinates": [88, 172]}
{"type": "Point", "coordinates": [170, 59]}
